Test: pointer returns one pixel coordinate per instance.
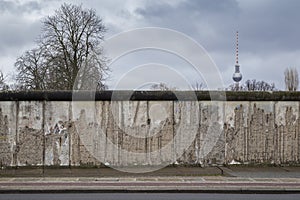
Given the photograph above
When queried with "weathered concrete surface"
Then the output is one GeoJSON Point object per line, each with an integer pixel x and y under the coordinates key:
{"type": "Point", "coordinates": [8, 133]}
{"type": "Point", "coordinates": [263, 132]}
{"type": "Point", "coordinates": [126, 133]}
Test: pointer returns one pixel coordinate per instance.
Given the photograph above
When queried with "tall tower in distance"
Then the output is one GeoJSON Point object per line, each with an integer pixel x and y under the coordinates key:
{"type": "Point", "coordinates": [237, 76]}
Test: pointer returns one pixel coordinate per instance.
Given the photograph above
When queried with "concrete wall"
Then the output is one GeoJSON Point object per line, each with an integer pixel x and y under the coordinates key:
{"type": "Point", "coordinates": [59, 132]}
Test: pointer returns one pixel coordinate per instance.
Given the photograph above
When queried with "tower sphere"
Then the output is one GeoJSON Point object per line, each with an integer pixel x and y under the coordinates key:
{"type": "Point", "coordinates": [237, 76]}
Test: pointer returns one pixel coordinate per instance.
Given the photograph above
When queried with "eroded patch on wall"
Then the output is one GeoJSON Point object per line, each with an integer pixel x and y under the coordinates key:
{"type": "Point", "coordinates": [30, 136]}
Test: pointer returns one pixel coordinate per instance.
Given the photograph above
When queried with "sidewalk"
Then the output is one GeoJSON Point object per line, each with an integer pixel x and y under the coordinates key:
{"type": "Point", "coordinates": [161, 181]}
{"type": "Point", "coordinates": [107, 172]}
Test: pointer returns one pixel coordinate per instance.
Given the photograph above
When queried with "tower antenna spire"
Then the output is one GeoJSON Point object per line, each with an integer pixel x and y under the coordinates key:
{"type": "Point", "coordinates": [237, 47]}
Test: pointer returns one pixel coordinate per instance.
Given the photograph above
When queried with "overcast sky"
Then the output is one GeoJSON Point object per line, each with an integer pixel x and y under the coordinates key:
{"type": "Point", "coordinates": [269, 32]}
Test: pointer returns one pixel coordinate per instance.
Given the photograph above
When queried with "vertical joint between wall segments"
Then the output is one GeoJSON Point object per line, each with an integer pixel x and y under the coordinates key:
{"type": "Point", "coordinates": [16, 149]}
{"type": "Point", "coordinates": [43, 132]}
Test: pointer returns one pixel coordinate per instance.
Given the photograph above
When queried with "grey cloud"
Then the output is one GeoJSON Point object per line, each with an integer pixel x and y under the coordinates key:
{"type": "Point", "coordinates": [18, 8]}
{"type": "Point", "coordinates": [17, 30]}
{"type": "Point", "coordinates": [197, 19]}
{"type": "Point", "coordinates": [272, 27]}
{"type": "Point", "coordinates": [190, 7]}
{"type": "Point", "coordinates": [17, 35]}
{"type": "Point", "coordinates": [6, 5]}
{"type": "Point", "coordinates": [211, 7]}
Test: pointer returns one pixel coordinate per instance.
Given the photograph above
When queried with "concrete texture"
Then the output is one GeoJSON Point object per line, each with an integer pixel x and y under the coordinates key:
{"type": "Point", "coordinates": [138, 133]}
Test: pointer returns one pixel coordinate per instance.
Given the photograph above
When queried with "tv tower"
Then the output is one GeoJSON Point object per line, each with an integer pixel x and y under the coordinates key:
{"type": "Point", "coordinates": [237, 76]}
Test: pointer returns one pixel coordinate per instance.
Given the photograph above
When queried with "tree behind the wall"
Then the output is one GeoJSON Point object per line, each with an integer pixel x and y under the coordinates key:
{"type": "Point", "coordinates": [69, 51]}
{"type": "Point", "coordinates": [253, 85]}
{"type": "Point", "coordinates": [291, 79]}
{"type": "Point", "coordinates": [3, 85]}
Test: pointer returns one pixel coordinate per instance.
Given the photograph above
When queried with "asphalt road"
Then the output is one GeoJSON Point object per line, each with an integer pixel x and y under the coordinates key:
{"type": "Point", "coordinates": [154, 196]}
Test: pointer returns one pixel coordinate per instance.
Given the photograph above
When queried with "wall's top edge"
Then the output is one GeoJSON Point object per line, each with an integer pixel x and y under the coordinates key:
{"type": "Point", "coordinates": [148, 96]}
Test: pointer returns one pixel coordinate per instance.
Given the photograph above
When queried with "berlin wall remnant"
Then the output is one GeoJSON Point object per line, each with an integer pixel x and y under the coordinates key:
{"type": "Point", "coordinates": [49, 131]}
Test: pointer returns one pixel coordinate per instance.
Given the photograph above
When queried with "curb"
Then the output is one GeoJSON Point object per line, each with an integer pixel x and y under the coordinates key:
{"type": "Point", "coordinates": [151, 187]}
{"type": "Point", "coordinates": [77, 191]}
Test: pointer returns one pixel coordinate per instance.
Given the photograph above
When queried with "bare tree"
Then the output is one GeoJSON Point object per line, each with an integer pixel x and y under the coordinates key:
{"type": "Point", "coordinates": [72, 37]}
{"type": "Point", "coordinates": [3, 84]}
{"type": "Point", "coordinates": [71, 52]}
{"type": "Point", "coordinates": [291, 79]}
{"type": "Point", "coordinates": [1, 78]}
{"type": "Point", "coordinates": [32, 70]}
{"type": "Point", "coordinates": [2, 81]}
{"type": "Point", "coordinates": [253, 85]}
{"type": "Point", "coordinates": [162, 87]}
{"type": "Point", "coordinates": [233, 87]}
{"type": "Point", "coordinates": [198, 86]}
